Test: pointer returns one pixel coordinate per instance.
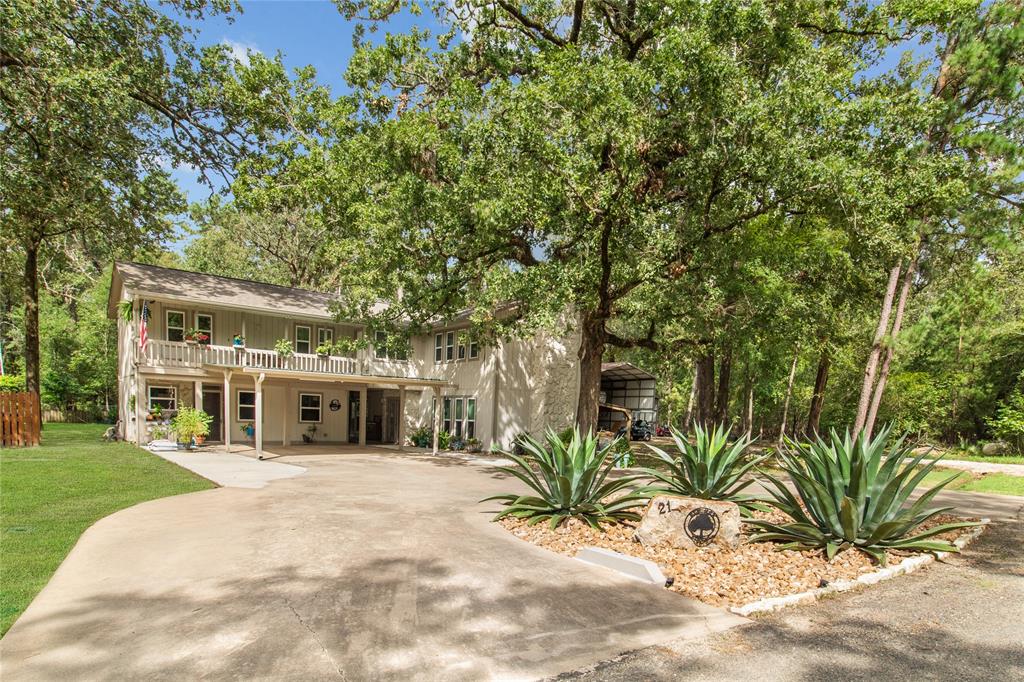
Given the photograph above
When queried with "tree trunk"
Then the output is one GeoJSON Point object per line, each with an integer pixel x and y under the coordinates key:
{"type": "Point", "coordinates": [591, 351]}
{"type": "Point", "coordinates": [876, 350]}
{"type": "Point", "coordinates": [748, 414]}
{"type": "Point", "coordinates": [897, 323]}
{"type": "Point", "coordinates": [724, 379]}
{"type": "Point", "coordinates": [689, 403]}
{"type": "Point", "coordinates": [818, 398]}
{"type": "Point", "coordinates": [31, 303]}
{"type": "Point", "coordinates": [706, 389]}
{"type": "Point", "coordinates": [789, 394]}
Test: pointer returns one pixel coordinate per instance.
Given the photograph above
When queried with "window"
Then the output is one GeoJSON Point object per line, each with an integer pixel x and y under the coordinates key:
{"type": "Point", "coordinates": [449, 346]}
{"type": "Point", "coordinates": [381, 350]}
{"type": "Point", "coordinates": [446, 417]}
{"type": "Point", "coordinates": [204, 323]}
{"type": "Point", "coordinates": [458, 419]}
{"type": "Point", "coordinates": [175, 325]}
{"type": "Point", "coordinates": [470, 417]}
{"type": "Point", "coordinates": [324, 335]}
{"type": "Point", "coordinates": [303, 337]}
{"type": "Point", "coordinates": [246, 406]}
{"type": "Point", "coordinates": [462, 351]}
{"type": "Point", "coordinates": [164, 396]}
{"type": "Point", "coordinates": [309, 408]}
{"type": "Point", "coordinates": [438, 344]}
{"type": "Point", "coordinates": [474, 350]}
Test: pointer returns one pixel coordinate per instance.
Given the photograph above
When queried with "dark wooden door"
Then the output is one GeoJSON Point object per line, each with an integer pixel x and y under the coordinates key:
{"type": "Point", "coordinates": [213, 405]}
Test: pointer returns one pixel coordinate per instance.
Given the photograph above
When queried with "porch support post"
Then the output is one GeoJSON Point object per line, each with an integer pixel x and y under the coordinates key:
{"type": "Point", "coordinates": [362, 415]}
{"type": "Point", "coordinates": [226, 417]}
{"type": "Point", "coordinates": [401, 416]}
{"type": "Point", "coordinates": [141, 398]}
{"type": "Point", "coordinates": [198, 403]}
{"type": "Point", "coordinates": [438, 407]}
{"type": "Point", "coordinates": [288, 393]}
{"type": "Point", "coordinates": [259, 414]}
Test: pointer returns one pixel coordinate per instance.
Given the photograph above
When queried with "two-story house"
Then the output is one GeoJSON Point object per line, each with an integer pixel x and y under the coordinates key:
{"type": "Point", "coordinates": [188, 356]}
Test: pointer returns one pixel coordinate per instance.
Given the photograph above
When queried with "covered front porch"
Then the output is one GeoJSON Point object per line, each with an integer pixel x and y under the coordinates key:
{"type": "Point", "coordinates": [256, 408]}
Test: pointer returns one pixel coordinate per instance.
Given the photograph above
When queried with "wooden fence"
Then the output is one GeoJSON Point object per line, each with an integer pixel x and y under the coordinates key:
{"type": "Point", "coordinates": [55, 416]}
{"type": "Point", "coordinates": [19, 419]}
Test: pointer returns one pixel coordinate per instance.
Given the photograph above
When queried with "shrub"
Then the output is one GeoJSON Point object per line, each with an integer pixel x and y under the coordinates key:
{"type": "Point", "coordinates": [423, 437]}
{"type": "Point", "coordinates": [1008, 423]}
{"type": "Point", "coordinates": [851, 494]}
{"type": "Point", "coordinates": [12, 383]}
{"type": "Point", "coordinates": [189, 423]}
{"type": "Point", "coordinates": [709, 468]}
{"type": "Point", "coordinates": [569, 481]}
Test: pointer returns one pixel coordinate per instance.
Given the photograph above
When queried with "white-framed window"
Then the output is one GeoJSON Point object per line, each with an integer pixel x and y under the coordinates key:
{"type": "Point", "coordinates": [474, 350]}
{"type": "Point", "coordinates": [309, 407]}
{"type": "Point", "coordinates": [449, 346]}
{"type": "Point", "coordinates": [204, 323]}
{"type": "Point", "coordinates": [175, 325]}
{"type": "Point", "coordinates": [246, 406]}
{"type": "Point", "coordinates": [459, 417]}
{"type": "Point", "coordinates": [470, 417]}
{"type": "Point", "coordinates": [438, 347]}
{"type": "Point", "coordinates": [324, 335]}
{"type": "Point", "coordinates": [381, 350]}
{"type": "Point", "coordinates": [303, 338]}
{"type": "Point", "coordinates": [164, 396]}
{"type": "Point", "coordinates": [462, 351]}
{"type": "Point", "coordinates": [446, 416]}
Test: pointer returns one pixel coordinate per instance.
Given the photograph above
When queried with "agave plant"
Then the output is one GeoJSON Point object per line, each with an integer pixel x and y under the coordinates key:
{"type": "Point", "coordinates": [850, 494]}
{"type": "Point", "coordinates": [569, 480]}
{"type": "Point", "coordinates": [709, 468]}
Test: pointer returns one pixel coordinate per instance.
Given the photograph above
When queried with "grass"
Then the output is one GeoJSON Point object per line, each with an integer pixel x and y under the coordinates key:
{"type": "Point", "coordinates": [50, 494]}
{"type": "Point", "coordinates": [987, 459]}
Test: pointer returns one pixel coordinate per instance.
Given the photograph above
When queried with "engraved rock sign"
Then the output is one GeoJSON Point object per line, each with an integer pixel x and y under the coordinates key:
{"type": "Point", "coordinates": [687, 522]}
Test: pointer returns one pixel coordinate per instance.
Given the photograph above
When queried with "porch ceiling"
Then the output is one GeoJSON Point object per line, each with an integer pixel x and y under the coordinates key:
{"type": "Point", "coordinates": [376, 380]}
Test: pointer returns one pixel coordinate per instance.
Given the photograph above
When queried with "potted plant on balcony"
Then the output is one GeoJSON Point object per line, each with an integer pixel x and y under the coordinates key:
{"type": "Point", "coordinates": [238, 342]}
{"type": "Point", "coordinates": [324, 349]}
{"type": "Point", "coordinates": [196, 336]}
{"type": "Point", "coordinates": [190, 424]}
{"type": "Point", "coordinates": [283, 348]}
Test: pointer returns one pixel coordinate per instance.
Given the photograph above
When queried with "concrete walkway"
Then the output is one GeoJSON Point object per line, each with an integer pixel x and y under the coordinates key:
{"type": "Point", "coordinates": [983, 467]}
{"type": "Point", "coordinates": [231, 470]}
{"type": "Point", "coordinates": [368, 566]}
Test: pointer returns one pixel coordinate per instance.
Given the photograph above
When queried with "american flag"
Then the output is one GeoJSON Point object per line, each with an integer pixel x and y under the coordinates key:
{"type": "Point", "coordinates": [143, 328]}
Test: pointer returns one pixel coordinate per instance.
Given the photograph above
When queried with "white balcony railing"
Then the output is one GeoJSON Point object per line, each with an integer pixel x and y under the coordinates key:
{"type": "Point", "coordinates": [174, 354]}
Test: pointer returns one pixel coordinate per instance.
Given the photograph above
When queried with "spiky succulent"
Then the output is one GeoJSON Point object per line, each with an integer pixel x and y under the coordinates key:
{"type": "Point", "coordinates": [709, 468]}
{"type": "Point", "coordinates": [851, 494]}
{"type": "Point", "coordinates": [569, 480]}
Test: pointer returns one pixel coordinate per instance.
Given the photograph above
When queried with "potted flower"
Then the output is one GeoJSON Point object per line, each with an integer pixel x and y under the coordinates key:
{"type": "Point", "coordinates": [195, 336]}
{"type": "Point", "coordinates": [189, 424]}
{"type": "Point", "coordinates": [324, 349]}
{"type": "Point", "coordinates": [155, 413]}
{"type": "Point", "coordinates": [283, 348]}
{"type": "Point", "coordinates": [249, 429]}
{"type": "Point", "coordinates": [238, 342]}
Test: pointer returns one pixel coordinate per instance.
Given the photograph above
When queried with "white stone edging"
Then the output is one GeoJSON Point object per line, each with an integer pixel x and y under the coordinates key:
{"type": "Point", "coordinates": [908, 565]}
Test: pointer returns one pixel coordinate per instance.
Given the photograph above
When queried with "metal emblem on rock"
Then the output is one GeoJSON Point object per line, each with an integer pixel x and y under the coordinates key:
{"type": "Point", "coordinates": [702, 526]}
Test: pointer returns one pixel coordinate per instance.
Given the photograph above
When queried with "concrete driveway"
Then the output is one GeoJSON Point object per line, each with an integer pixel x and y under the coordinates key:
{"type": "Point", "coordinates": [367, 566]}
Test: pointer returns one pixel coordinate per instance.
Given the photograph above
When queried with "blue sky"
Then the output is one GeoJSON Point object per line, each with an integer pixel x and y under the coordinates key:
{"type": "Point", "coordinates": [303, 31]}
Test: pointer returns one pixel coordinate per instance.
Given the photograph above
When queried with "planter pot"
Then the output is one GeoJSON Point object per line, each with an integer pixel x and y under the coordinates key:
{"type": "Point", "coordinates": [323, 356]}
{"type": "Point", "coordinates": [200, 440]}
{"type": "Point", "coordinates": [238, 346]}
{"type": "Point", "coordinates": [192, 342]}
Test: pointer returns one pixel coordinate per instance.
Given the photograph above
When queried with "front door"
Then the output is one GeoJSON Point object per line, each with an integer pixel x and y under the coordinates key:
{"type": "Point", "coordinates": [213, 405]}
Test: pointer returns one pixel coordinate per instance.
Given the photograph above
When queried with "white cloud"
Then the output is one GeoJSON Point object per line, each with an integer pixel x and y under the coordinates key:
{"type": "Point", "coordinates": [239, 51]}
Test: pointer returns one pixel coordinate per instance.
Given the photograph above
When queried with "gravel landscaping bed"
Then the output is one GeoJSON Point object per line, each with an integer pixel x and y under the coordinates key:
{"type": "Point", "coordinates": [719, 576]}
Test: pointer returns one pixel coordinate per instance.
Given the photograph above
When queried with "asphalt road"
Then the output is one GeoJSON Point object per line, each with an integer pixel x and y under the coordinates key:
{"type": "Point", "coordinates": [962, 619]}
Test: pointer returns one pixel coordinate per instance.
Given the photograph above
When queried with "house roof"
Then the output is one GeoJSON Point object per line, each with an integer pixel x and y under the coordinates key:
{"type": "Point", "coordinates": [189, 287]}
{"type": "Point", "coordinates": [623, 371]}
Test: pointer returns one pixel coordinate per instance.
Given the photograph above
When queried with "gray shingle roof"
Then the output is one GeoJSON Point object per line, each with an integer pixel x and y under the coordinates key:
{"type": "Point", "coordinates": [161, 282]}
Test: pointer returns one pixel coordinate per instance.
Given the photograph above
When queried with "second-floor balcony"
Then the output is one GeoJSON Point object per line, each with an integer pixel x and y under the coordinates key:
{"type": "Point", "coordinates": [178, 355]}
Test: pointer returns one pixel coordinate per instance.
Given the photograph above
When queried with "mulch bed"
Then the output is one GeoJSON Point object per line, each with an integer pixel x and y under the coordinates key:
{"type": "Point", "coordinates": [719, 576]}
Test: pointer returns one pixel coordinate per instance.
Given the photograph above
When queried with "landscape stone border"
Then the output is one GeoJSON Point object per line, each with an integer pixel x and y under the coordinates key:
{"type": "Point", "coordinates": [908, 565]}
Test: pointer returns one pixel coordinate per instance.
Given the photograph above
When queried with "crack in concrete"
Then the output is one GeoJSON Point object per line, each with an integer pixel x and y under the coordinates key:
{"type": "Point", "coordinates": [316, 637]}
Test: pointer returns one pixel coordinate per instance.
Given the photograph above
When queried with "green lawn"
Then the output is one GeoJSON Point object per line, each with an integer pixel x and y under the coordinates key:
{"type": "Point", "coordinates": [1002, 484]}
{"type": "Point", "coordinates": [990, 459]}
{"type": "Point", "coordinates": [50, 494]}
